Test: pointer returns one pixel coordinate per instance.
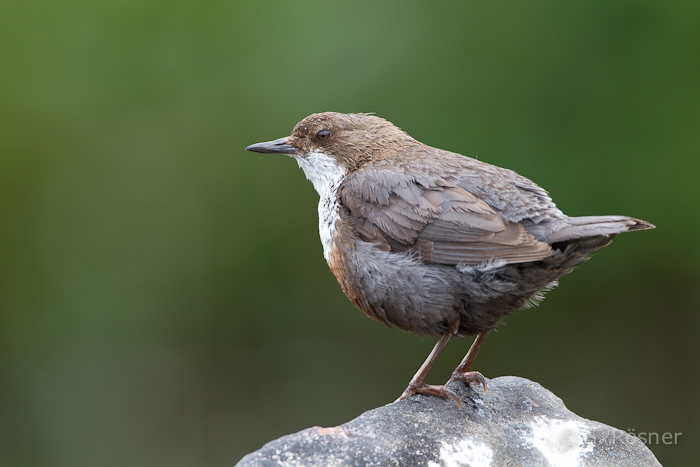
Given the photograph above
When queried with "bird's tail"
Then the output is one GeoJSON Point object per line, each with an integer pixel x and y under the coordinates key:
{"type": "Point", "coordinates": [580, 229]}
{"type": "Point", "coordinates": [571, 246]}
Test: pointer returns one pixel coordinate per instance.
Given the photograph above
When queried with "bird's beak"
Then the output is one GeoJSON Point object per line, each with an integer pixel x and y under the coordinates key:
{"type": "Point", "coordinates": [278, 146]}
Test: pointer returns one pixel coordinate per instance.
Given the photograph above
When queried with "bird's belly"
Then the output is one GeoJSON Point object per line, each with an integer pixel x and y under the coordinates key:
{"type": "Point", "coordinates": [395, 288]}
{"type": "Point", "coordinates": [400, 291]}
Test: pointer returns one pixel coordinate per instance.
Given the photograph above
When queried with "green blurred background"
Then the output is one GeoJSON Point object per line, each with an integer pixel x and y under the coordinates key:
{"type": "Point", "coordinates": [163, 294]}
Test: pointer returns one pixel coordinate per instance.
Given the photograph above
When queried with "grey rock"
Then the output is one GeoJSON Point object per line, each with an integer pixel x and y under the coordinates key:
{"type": "Point", "coordinates": [516, 422]}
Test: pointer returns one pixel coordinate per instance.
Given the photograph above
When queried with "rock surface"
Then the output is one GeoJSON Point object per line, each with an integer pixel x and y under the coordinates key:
{"type": "Point", "coordinates": [516, 423]}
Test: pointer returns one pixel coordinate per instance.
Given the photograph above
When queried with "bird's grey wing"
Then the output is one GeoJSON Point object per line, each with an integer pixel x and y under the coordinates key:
{"type": "Point", "coordinates": [515, 197]}
{"type": "Point", "coordinates": [433, 218]}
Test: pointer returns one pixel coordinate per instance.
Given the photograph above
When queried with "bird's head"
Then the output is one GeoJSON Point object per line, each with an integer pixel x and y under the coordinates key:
{"type": "Point", "coordinates": [330, 145]}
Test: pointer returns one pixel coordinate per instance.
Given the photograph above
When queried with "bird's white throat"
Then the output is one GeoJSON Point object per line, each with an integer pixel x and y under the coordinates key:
{"type": "Point", "coordinates": [325, 173]}
{"type": "Point", "coordinates": [322, 170]}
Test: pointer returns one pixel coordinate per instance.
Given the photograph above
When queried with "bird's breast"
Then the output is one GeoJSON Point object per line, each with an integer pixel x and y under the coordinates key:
{"type": "Point", "coordinates": [326, 174]}
{"type": "Point", "coordinates": [328, 217]}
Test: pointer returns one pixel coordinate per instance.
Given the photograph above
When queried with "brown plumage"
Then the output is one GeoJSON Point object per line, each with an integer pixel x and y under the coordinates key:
{"type": "Point", "coordinates": [430, 241]}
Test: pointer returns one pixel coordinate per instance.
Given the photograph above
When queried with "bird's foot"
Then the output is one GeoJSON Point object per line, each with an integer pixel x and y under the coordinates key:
{"type": "Point", "coordinates": [470, 377]}
{"type": "Point", "coordinates": [431, 390]}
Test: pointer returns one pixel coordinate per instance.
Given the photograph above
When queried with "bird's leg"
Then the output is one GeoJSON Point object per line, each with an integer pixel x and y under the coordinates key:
{"type": "Point", "coordinates": [417, 384]}
{"type": "Point", "coordinates": [463, 371]}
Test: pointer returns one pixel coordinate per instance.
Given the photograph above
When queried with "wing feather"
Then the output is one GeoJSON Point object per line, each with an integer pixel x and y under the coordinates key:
{"type": "Point", "coordinates": [436, 219]}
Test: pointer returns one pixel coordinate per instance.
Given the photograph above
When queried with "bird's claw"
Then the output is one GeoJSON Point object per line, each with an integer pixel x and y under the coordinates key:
{"type": "Point", "coordinates": [470, 377]}
{"type": "Point", "coordinates": [432, 390]}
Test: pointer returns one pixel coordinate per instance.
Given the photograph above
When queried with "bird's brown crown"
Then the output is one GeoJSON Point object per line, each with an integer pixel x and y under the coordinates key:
{"type": "Point", "coordinates": [353, 139]}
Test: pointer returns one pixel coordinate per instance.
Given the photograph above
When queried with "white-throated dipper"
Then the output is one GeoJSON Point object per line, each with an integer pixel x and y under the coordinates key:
{"type": "Point", "coordinates": [431, 241]}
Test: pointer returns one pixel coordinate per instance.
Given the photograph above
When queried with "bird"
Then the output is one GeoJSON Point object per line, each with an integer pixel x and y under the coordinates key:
{"type": "Point", "coordinates": [431, 241]}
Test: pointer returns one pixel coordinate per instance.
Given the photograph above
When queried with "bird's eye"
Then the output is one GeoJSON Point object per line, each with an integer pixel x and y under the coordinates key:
{"type": "Point", "coordinates": [323, 135]}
